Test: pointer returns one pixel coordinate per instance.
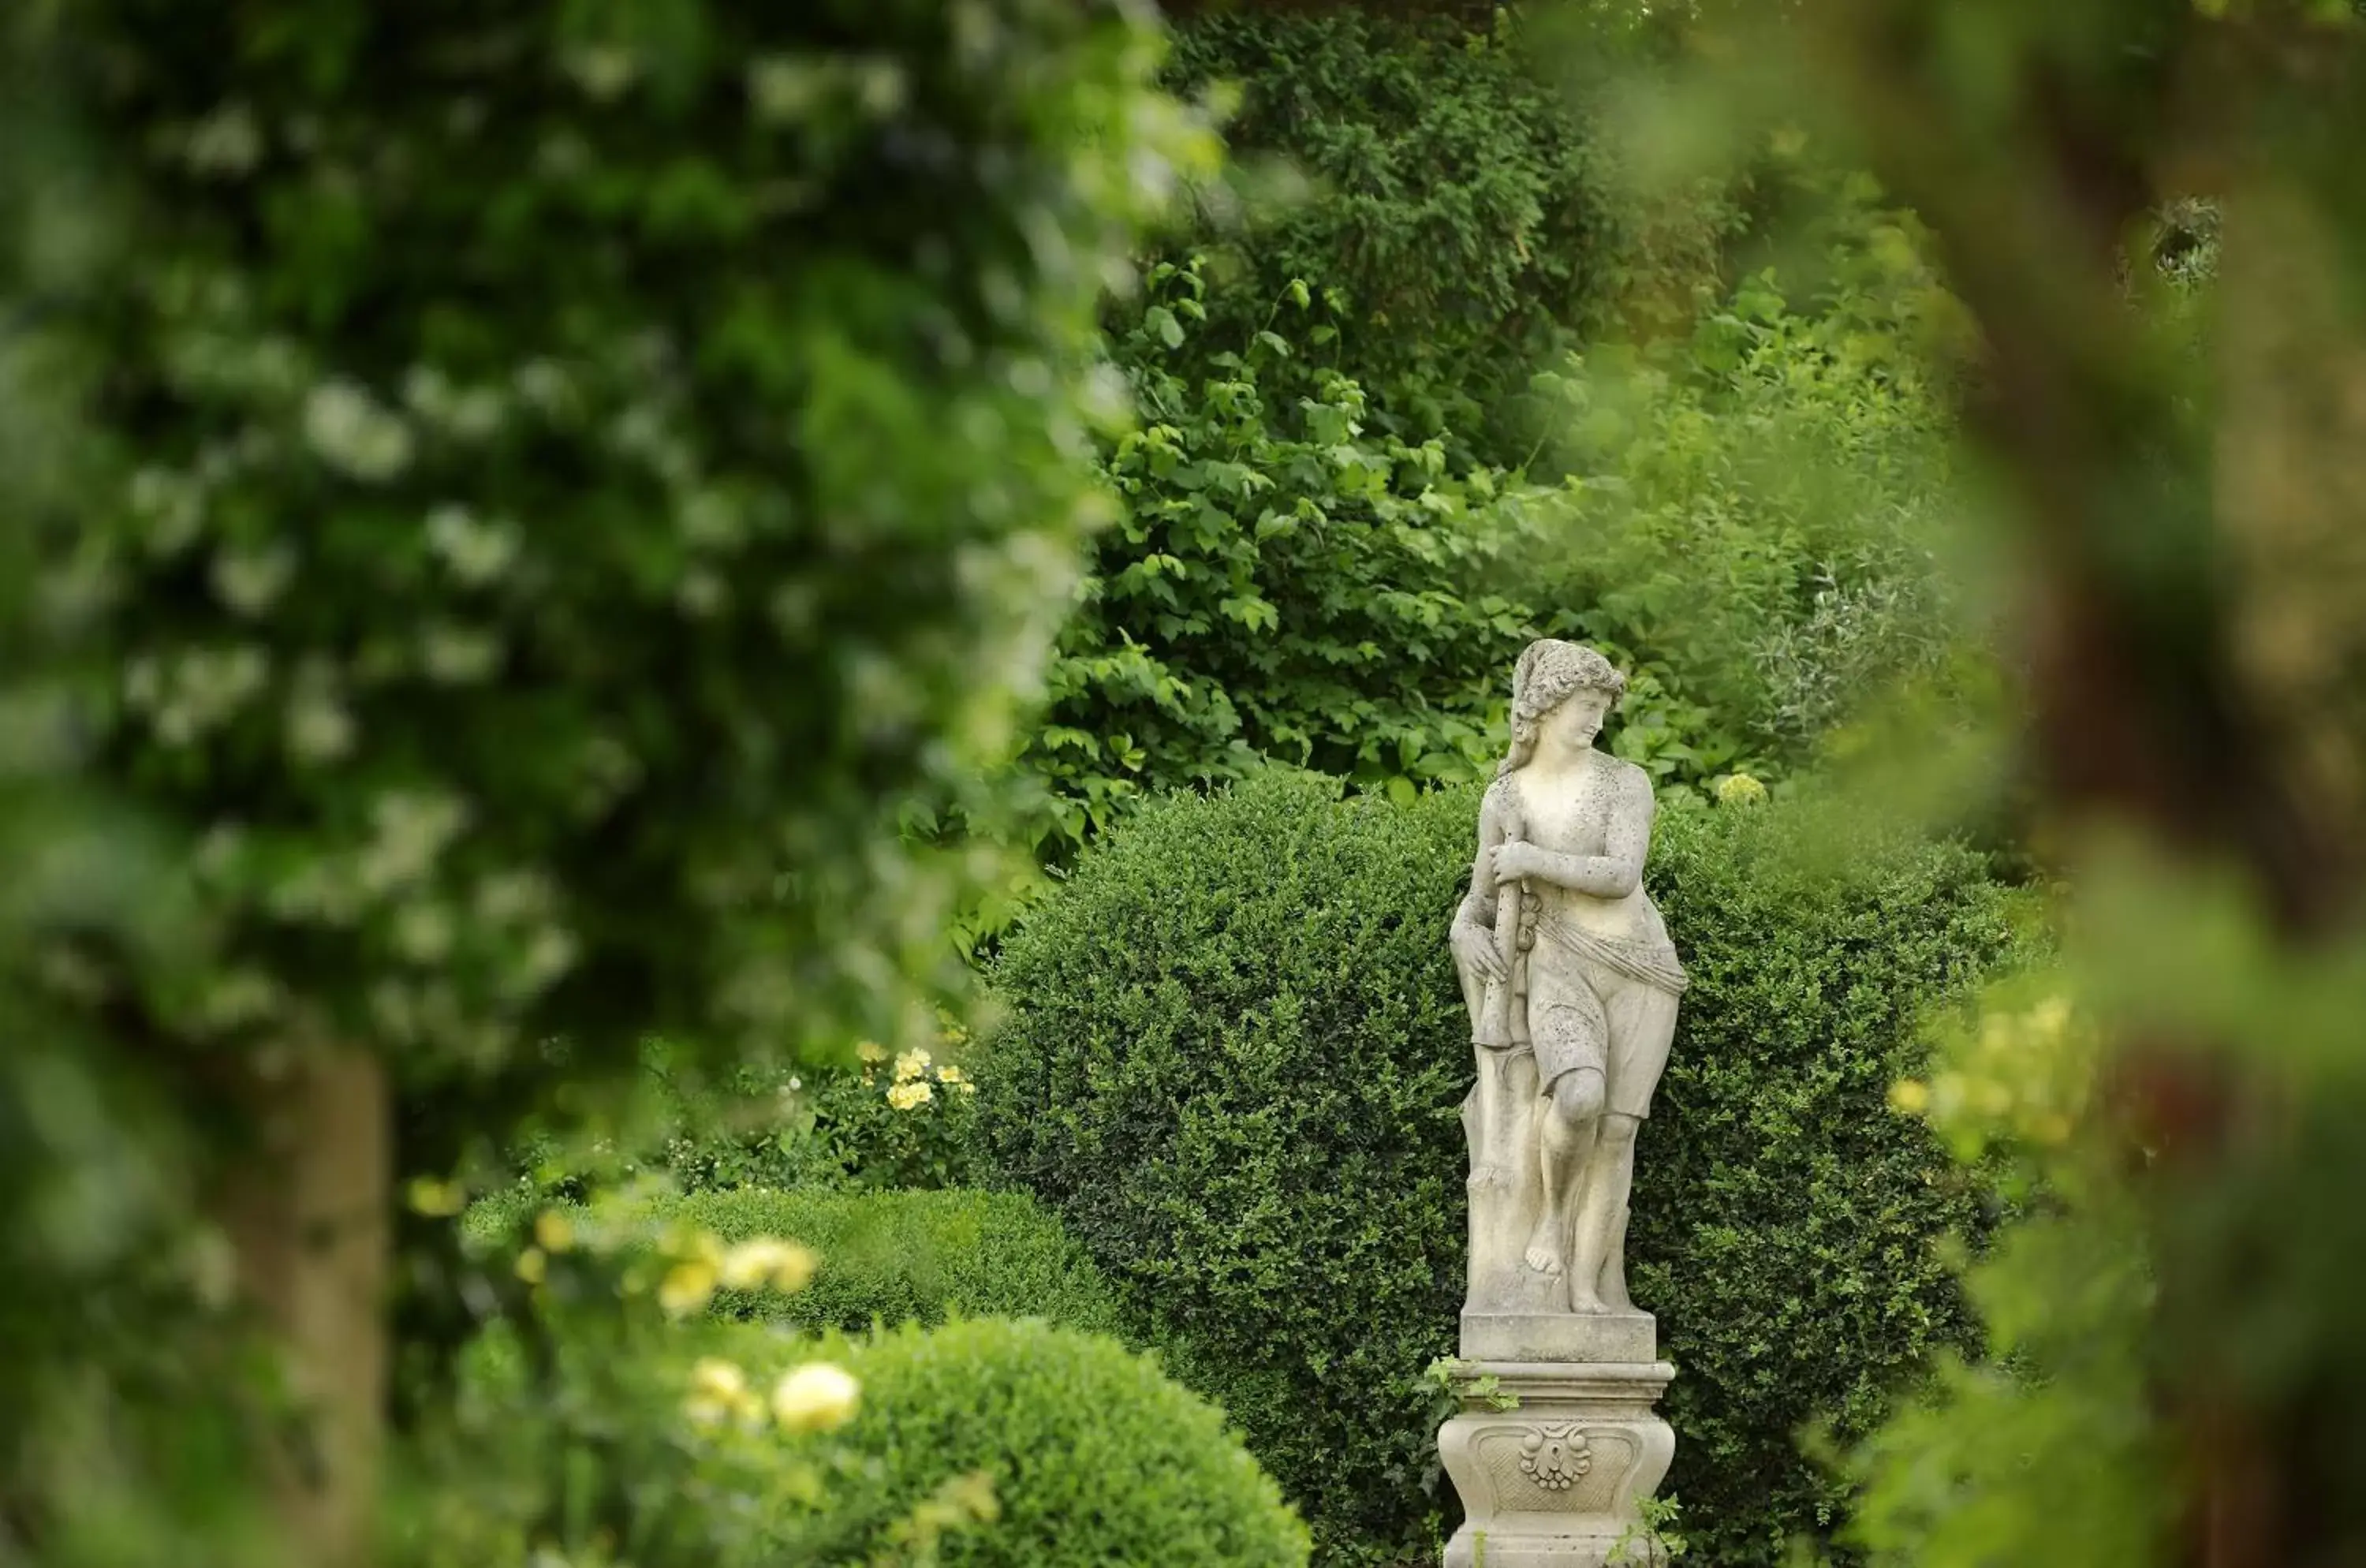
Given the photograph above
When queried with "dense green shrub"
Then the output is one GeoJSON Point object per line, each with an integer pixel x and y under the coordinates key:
{"type": "Point", "coordinates": [883, 1256]}
{"type": "Point", "coordinates": [1756, 509]}
{"type": "Point", "coordinates": [1233, 1063]}
{"type": "Point", "coordinates": [1093, 1458]}
{"type": "Point", "coordinates": [899, 1121]}
{"type": "Point", "coordinates": [1750, 525]}
{"type": "Point", "coordinates": [1285, 581]}
{"type": "Point", "coordinates": [1462, 221]}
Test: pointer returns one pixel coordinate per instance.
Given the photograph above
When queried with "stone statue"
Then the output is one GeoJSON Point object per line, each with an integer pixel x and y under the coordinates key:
{"type": "Point", "coordinates": [1571, 984]}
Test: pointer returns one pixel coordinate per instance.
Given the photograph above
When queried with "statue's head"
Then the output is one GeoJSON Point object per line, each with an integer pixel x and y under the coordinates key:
{"type": "Point", "coordinates": [1563, 689]}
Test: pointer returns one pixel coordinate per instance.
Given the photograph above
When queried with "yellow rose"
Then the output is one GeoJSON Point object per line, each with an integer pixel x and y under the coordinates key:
{"type": "Point", "coordinates": [911, 1065]}
{"type": "Point", "coordinates": [815, 1398]}
{"type": "Point", "coordinates": [784, 1265]}
{"type": "Point", "coordinates": [718, 1391]}
{"type": "Point", "coordinates": [908, 1096]}
{"type": "Point", "coordinates": [872, 1051]}
{"type": "Point", "coordinates": [687, 1287]}
{"type": "Point", "coordinates": [950, 1075]}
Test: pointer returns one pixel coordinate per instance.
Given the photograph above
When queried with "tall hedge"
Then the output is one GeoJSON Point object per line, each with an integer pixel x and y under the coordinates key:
{"type": "Point", "coordinates": [1234, 1061]}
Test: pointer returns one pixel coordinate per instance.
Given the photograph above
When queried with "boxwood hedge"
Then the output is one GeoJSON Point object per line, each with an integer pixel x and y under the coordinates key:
{"type": "Point", "coordinates": [1093, 1457]}
{"type": "Point", "coordinates": [1234, 1060]}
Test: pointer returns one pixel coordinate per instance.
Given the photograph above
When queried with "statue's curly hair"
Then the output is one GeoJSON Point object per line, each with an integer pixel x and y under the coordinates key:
{"type": "Point", "coordinates": [1548, 672]}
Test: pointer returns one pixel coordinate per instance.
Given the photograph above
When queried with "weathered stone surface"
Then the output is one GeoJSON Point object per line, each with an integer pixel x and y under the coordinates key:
{"type": "Point", "coordinates": [1573, 983]}
{"type": "Point", "coordinates": [1623, 1337]}
{"type": "Point", "coordinates": [1553, 1483]}
{"type": "Point", "coordinates": [1572, 986]}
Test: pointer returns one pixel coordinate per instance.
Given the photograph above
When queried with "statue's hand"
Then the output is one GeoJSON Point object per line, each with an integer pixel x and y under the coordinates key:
{"type": "Point", "coordinates": [1474, 947]}
{"type": "Point", "coordinates": [1517, 859]}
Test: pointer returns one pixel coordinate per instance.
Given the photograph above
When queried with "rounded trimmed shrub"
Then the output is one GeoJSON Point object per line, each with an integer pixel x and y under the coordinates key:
{"type": "Point", "coordinates": [1233, 1063]}
{"type": "Point", "coordinates": [1092, 1455]}
{"type": "Point", "coordinates": [889, 1257]}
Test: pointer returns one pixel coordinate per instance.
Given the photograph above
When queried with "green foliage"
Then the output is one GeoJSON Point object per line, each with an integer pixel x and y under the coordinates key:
{"type": "Point", "coordinates": [1462, 221]}
{"type": "Point", "coordinates": [883, 1256]}
{"type": "Point", "coordinates": [1284, 582]}
{"type": "Point", "coordinates": [1751, 525]}
{"type": "Point", "coordinates": [1089, 1455]}
{"type": "Point", "coordinates": [524, 503]}
{"type": "Point", "coordinates": [1234, 1061]}
{"type": "Point", "coordinates": [1756, 513]}
{"type": "Point", "coordinates": [512, 742]}
{"type": "Point", "coordinates": [894, 1124]}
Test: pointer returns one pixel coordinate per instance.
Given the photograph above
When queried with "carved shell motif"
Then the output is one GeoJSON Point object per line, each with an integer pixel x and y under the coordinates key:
{"type": "Point", "coordinates": [1553, 1457]}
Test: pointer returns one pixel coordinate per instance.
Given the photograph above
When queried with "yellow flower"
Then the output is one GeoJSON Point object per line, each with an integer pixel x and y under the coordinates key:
{"type": "Point", "coordinates": [907, 1096]}
{"type": "Point", "coordinates": [723, 1379]}
{"type": "Point", "coordinates": [687, 1287]}
{"type": "Point", "coordinates": [532, 1265]}
{"type": "Point", "coordinates": [872, 1051]}
{"type": "Point", "coordinates": [438, 1199]}
{"type": "Point", "coordinates": [1910, 1097]}
{"type": "Point", "coordinates": [950, 1074]}
{"type": "Point", "coordinates": [784, 1265]}
{"type": "Point", "coordinates": [815, 1398]}
{"type": "Point", "coordinates": [1740, 789]}
{"type": "Point", "coordinates": [911, 1065]}
{"type": "Point", "coordinates": [554, 1230]}
{"type": "Point", "coordinates": [718, 1391]}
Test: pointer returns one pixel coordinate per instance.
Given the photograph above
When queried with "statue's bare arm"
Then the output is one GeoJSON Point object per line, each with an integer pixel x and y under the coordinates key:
{"type": "Point", "coordinates": [1615, 872]}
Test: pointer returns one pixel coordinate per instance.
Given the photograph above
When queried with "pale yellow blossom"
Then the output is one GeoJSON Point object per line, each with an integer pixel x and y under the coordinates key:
{"type": "Point", "coordinates": [911, 1065]}
{"type": "Point", "coordinates": [950, 1074]}
{"type": "Point", "coordinates": [554, 1230]}
{"type": "Point", "coordinates": [911, 1096]}
{"type": "Point", "coordinates": [438, 1199]}
{"type": "Point", "coordinates": [688, 1286]}
{"type": "Point", "coordinates": [767, 1260]}
{"type": "Point", "coordinates": [815, 1398]}
{"type": "Point", "coordinates": [532, 1265]}
{"type": "Point", "coordinates": [872, 1051]}
{"type": "Point", "coordinates": [719, 1393]}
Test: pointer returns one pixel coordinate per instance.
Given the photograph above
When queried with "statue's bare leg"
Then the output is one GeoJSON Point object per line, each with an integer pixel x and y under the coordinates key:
{"type": "Point", "coordinates": [1566, 1149]}
{"type": "Point", "coordinates": [1601, 1211]}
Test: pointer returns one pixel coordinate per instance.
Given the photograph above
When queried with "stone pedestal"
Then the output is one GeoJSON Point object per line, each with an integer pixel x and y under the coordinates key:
{"type": "Point", "coordinates": [1553, 1481]}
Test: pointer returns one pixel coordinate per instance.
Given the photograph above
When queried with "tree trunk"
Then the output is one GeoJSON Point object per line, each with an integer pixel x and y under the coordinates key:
{"type": "Point", "coordinates": [307, 1217]}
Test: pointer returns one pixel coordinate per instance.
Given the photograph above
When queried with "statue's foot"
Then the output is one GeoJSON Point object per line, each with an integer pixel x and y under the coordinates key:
{"type": "Point", "coordinates": [1542, 1255]}
{"type": "Point", "coordinates": [1584, 1301]}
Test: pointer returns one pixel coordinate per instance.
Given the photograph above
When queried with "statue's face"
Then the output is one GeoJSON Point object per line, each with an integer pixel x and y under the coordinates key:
{"type": "Point", "coordinates": [1573, 725]}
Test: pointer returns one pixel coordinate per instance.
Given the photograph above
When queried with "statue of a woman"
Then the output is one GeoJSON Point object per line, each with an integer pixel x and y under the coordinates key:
{"type": "Point", "coordinates": [1573, 984]}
